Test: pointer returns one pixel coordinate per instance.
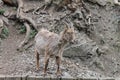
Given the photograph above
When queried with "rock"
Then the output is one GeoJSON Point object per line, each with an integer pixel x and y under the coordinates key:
{"type": "Point", "coordinates": [48, 1]}
{"type": "Point", "coordinates": [1, 2]}
{"type": "Point", "coordinates": [85, 48]}
{"type": "Point", "coordinates": [10, 2]}
{"type": "Point", "coordinates": [103, 2]}
{"type": "Point", "coordinates": [77, 14]}
{"type": "Point", "coordinates": [99, 65]}
{"type": "Point", "coordinates": [1, 23]}
{"type": "Point", "coordinates": [100, 2]}
{"type": "Point", "coordinates": [66, 75]}
{"type": "Point", "coordinates": [6, 13]}
{"type": "Point", "coordinates": [5, 20]}
{"type": "Point", "coordinates": [57, 1]}
{"type": "Point", "coordinates": [117, 2]}
{"type": "Point", "coordinates": [103, 50]}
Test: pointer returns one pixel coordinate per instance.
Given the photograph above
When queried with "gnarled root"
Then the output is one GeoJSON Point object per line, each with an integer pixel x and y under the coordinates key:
{"type": "Point", "coordinates": [26, 39]}
{"type": "Point", "coordinates": [25, 20]}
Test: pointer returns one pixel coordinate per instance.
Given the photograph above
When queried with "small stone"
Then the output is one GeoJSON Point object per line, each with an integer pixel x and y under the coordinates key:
{"type": "Point", "coordinates": [6, 13]}
{"type": "Point", "coordinates": [1, 67]}
{"type": "Point", "coordinates": [1, 23]}
{"type": "Point", "coordinates": [77, 64]}
{"type": "Point", "coordinates": [1, 2]}
{"type": "Point", "coordinates": [100, 2]}
{"type": "Point", "coordinates": [5, 20]}
{"type": "Point", "coordinates": [66, 75]}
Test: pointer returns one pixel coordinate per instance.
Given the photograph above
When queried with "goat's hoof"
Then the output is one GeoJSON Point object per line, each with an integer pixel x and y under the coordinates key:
{"type": "Point", "coordinates": [37, 70]}
{"type": "Point", "coordinates": [58, 74]}
{"type": "Point", "coordinates": [44, 74]}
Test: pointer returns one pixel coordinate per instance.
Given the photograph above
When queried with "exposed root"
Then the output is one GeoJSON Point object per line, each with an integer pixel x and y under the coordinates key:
{"type": "Point", "coordinates": [10, 2]}
{"type": "Point", "coordinates": [28, 19]}
{"type": "Point", "coordinates": [21, 16]}
{"type": "Point", "coordinates": [25, 20]}
{"type": "Point", "coordinates": [1, 25]}
{"type": "Point", "coordinates": [29, 45]}
{"type": "Point", "coordinates": [26, 39]}
{"type": "Point", "coordinates": [20, 8]}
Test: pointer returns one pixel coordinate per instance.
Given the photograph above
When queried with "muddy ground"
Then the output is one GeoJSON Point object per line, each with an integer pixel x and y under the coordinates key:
{"type": "Point", "coordinates": [14, 62]}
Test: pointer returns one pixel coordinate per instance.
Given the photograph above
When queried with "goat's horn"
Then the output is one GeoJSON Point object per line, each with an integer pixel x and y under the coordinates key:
{"type": "Point", "coordinates": [66, 24]}
{"type": "Point", "coordinates": [69, 21]}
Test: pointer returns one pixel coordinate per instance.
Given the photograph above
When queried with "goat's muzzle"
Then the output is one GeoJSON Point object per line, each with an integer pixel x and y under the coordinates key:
{"type": "Point", "coordinates": [74, 42]}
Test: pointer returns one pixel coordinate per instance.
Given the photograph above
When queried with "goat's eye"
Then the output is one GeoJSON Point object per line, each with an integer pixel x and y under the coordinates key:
{"type": "Point", "coordinates": [69, 33]}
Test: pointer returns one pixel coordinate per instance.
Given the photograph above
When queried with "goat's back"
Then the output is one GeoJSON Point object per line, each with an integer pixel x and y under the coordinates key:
{"type": "Point", "coordinates": [45, 37]}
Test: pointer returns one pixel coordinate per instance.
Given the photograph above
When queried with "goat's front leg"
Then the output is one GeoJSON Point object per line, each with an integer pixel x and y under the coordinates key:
{"type": "Point", "coordinates": [37, 59]}
{"type": "Point", "coordinates": [58, 62]}
{"type": "Point", "coordinates": [46, 62]}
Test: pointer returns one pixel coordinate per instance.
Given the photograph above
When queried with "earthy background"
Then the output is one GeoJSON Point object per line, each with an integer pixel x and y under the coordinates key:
{"type": "Point", "coordinates": [95, 54]}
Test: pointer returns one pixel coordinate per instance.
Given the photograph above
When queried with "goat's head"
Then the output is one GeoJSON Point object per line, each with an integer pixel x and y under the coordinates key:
{"type": "Point", "coordinates": [69, 34]}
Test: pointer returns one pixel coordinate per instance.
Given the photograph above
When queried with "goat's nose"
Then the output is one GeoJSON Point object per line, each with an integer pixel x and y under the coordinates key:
{"type": "Point", "coordinates": [71, 42]}
{"type": "Point", "coordinates": [74, 42]}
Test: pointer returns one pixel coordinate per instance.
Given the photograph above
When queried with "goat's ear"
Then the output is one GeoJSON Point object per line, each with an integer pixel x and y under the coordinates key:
{"type": "Point", "coordinates": [65, 30]}
{"type": "Point", "coordinates": [72, 28]}
{"type": "Point", "coordinates": [66, 26]}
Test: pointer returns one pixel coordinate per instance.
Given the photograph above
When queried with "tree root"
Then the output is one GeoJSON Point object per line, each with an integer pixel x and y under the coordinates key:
{"type": "Point", "coordinates": [25, 20]}
{"type": "Point", "coordinates": [28, 19]}
{"type": "Point", "coordinates": [20, 16]}
{"type": "Point", "coordinates": [1, 25]}
{"type": "Point", "coordinates": [26, 39]}
{"type": "Point", "coordinates": [10, 2]}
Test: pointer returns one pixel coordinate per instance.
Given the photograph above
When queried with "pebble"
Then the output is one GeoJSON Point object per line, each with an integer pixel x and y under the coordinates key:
{"type": "Point", "coordinates": [1, 2]}
{"type": "Point", "coordinates": [1, 23]}
{"type": "Point", "coordinates": [66, 75]}
{"type": "Point", "coordinates": [6, 13]}
{"type": "Point", "coordinates": [0, 67]}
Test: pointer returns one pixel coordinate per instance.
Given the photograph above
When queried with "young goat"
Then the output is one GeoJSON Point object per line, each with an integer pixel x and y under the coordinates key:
{"type": "Point", "coordinates": [53, 45]}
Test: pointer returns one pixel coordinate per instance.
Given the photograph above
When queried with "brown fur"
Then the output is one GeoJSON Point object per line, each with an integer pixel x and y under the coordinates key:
{"type": "Point", "coordinates": [53, 45]}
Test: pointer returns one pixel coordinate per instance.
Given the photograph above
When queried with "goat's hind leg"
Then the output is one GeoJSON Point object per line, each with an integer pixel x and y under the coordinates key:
{"type": "Point", "coordinates": [46, 63]}
{"type": "Point", "coordinates": [58, 62]}
{"type": "Point", "coordinates": [37, 60]}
